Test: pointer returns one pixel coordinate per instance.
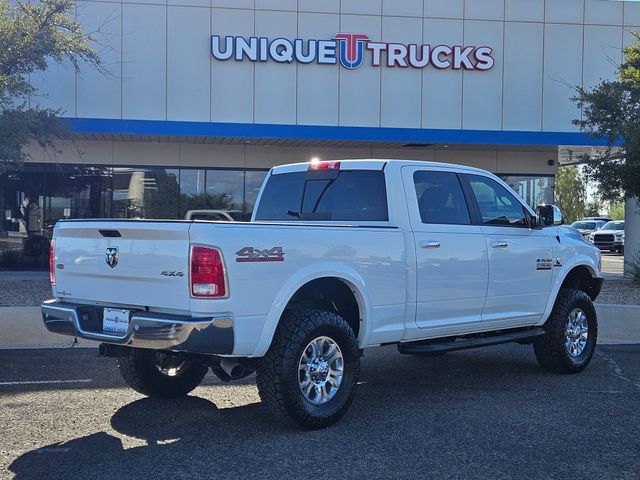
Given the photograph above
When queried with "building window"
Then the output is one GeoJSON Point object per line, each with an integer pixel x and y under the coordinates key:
{"type": "Point", "coordinates": [34, 198]}
{"type": "Point", "coordinates": [145, 193]}
{"type": "Point", "coordinates": [534, 190]}
{"type": "Point", "coordinates": [192, 191]}
{"type": "Point", "coordinates": [252, 184]}
{"type": "Point", "coordinates": [225, 190]}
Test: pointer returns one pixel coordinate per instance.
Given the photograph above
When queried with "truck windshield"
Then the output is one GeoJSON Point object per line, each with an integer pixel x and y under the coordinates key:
{"type": "Point", "coordinates": [613, 226]}
{"type": "Point", "coordinates": [350, 195]}
{"type": "Point", "coordinates": [584, 225]}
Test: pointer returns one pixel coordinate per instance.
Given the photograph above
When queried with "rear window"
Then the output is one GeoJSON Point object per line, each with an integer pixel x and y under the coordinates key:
{"type": "Point", "coordinates": [347, 195]}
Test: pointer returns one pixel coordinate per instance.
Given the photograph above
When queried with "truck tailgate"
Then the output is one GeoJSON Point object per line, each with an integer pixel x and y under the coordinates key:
{"type": "Point", "coordinates": [136, 262]}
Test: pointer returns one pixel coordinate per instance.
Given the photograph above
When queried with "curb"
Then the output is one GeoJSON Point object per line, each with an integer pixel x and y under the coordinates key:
{"type": "Point", "coordinates": [22, 328]}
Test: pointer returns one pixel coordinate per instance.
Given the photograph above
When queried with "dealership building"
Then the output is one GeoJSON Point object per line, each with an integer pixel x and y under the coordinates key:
{"type": "Point", "coordinates": [201, 97]}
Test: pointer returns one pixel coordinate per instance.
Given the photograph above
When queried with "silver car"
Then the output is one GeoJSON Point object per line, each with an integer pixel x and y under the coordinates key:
{"type": "Point", "coordinates": [587, 227]}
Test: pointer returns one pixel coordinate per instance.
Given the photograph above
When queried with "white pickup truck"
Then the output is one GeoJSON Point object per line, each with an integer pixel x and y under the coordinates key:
{"type": "Point", "coordinates": [338, 257]}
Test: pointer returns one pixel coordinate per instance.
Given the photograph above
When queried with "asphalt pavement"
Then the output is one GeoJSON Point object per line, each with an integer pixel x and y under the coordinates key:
{"type": "Point", "coordinates": [491, 413]}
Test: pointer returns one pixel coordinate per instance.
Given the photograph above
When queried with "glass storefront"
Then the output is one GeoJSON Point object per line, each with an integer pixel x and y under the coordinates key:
{"type": "Point", "coordinates": [533, 190]}
{"type": "Point", "coordinates": [37, 196]}
{"type": "Point", "coordinates": [34, 198]}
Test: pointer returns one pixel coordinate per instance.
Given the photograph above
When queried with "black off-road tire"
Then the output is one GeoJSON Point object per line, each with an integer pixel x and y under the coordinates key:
{"type": "Point", "coordinates": [138, 368]}
{"type": "Point", "coordinates": [551, 350]}
{"type": "Point", "coordinates": [277, 374]}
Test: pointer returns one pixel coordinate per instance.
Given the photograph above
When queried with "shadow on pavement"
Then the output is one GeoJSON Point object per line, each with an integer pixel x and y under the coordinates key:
{"type": "Point", "coordinates": [172, 431]}
{"type": "Point", "coordinates": [492, 414]}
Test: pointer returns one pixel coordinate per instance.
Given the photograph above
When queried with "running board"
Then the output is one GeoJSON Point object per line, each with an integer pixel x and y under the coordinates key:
{"type": "Point", "coordinates": [435, 347]}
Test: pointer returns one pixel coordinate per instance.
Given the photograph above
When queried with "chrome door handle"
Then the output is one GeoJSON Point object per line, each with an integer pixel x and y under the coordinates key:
{"type": "Point", "coordinates": [499, 244]}
{"type": "Point", "coordinates": [429, 244]}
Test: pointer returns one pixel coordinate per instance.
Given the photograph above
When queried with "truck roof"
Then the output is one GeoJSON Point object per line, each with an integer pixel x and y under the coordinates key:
{"type": "Point", "coordinates": [374, 164]}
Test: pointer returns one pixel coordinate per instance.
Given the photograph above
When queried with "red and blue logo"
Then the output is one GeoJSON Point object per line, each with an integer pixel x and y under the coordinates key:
{"type": "Point", "coordinates": [351, 49]}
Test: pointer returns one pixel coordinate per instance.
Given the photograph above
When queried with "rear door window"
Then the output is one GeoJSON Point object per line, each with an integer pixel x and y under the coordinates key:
{"type": "Point", "coordinates": [347, 195]}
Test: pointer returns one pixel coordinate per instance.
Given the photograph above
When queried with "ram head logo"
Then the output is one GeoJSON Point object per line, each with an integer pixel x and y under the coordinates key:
{"type": "Point", "coordinates": [111, 257]}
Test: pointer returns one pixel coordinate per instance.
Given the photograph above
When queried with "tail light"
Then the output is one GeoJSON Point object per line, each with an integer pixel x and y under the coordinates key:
{"type": "Point", "coordinates": [207, 273]}
{"type": "Point", "coordinates": [52, 263]}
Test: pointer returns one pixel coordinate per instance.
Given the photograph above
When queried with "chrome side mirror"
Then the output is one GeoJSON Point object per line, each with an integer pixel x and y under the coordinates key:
{"type": "Point", "coordinates": [549, 215]}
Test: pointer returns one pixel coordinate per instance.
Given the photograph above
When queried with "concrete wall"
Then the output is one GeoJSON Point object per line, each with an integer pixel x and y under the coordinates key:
{"type": "Point", "coordinates": [158, 53]}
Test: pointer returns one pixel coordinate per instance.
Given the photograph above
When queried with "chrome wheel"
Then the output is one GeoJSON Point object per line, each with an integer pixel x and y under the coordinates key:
{"type": "Point", "coordinates": [576, 333]}
{"type": "Point", "coordinates": [320, 370]}
{"type": "Point", "coordinates": [168, 364]}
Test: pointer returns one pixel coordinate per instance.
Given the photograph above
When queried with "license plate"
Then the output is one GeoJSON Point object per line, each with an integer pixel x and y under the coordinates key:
{"type": "Point", "coordinates": [115, 320]}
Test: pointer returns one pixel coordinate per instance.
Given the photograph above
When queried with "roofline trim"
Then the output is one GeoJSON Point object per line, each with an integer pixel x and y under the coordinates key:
{"type": "Point", "coordinates": [107, 126]}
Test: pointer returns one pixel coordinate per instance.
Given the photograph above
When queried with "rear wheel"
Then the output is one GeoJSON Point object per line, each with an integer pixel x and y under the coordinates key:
{"type": "Point", "coordinates": [571, 334]}
{"type": "Point", "coordinates": [310, 373]}
{"type": "Point", "coordinates": [160, 374]}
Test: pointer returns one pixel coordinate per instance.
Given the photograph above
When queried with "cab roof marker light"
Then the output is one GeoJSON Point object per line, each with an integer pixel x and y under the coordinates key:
{"type": "Point", "coordinates": [318, 165]}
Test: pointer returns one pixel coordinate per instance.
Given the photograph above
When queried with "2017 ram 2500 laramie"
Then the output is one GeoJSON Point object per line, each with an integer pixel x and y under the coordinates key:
{"type": "Point", "coordinates": [339, 256]}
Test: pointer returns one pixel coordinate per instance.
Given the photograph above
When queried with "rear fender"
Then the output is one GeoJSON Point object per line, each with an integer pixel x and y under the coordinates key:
{"type": "Point", "coordinates": [303, 276]}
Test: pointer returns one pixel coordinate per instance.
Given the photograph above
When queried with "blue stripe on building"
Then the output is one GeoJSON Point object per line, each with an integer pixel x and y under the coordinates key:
{"type": "Point", "coordinates": [336, 133]}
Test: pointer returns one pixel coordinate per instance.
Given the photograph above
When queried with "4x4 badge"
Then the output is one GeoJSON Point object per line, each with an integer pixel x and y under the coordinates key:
{"type": "Point", "coordinates": [251, 254]}
{"type": "Point", "coordinates": [111, 257]}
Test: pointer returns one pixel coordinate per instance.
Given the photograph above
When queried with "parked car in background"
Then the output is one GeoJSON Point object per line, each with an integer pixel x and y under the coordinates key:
{"type": "Point", "coordinates": [604, 219]}
{"type": "Point", "coordinates": [215, 215]}
{"type": "Point", "coordinates": [587, 227]}
{"type": "Point", "coordinates": [610, 237]}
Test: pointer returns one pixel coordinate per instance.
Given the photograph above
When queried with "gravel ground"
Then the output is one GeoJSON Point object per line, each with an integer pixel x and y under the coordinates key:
{"type": "Point", "coordinates": [616, 289]}
{"type": "Point", "coordinates": [23, 289]}
{"type": "Point", "coordinates": [32, 288]}
{"type": "Point", "coordinates": [619, 292]}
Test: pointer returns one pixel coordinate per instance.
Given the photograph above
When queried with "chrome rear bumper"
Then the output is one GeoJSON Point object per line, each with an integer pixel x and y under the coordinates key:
{"type": "Point", "coordinates": [158, 331]}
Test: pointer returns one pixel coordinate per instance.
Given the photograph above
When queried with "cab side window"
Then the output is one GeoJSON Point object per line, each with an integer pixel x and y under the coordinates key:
{"type": "Point", "coordinates": [498, 207]}
{"type": "Point", "coordinates": [440, 198]}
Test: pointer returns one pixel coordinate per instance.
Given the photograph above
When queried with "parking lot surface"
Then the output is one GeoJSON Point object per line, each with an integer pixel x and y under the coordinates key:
{"type": "Point", "coordinates": [612, 263]}
{"type": "Point", "coordinates": [489, 413]}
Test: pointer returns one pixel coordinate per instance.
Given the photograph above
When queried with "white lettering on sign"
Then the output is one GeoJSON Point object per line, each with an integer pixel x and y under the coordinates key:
{"type": "Point", "coordinates": [349, 50]}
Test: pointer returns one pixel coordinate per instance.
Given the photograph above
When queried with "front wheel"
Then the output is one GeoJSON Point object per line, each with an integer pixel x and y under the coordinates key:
{"type": "Point", "coordinates": [310, 373]}
{"type": "Point", "coordinates": [571, 334]}
{"type": "Point", "coordinates": [159, 374]}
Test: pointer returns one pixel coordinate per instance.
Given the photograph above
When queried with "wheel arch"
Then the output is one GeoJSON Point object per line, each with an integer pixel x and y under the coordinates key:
{"type": "Point", "coordinates": [307, 288]}
{"type": "Point", "coordinates": [581, 274]}
{"type": "Point", "coordinates": [581, 277]}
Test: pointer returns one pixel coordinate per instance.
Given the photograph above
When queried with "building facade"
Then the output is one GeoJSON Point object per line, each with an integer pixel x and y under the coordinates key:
{"type": "Point", "coordinates": [201, 97]}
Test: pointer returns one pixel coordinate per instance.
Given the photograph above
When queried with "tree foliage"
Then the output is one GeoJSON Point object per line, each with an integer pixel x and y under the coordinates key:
{"type": "Point", "coordinates": [32, 35]}
{"type": "Point", "coordinates": [570, 193]}
{"type": "Point", "coordinates": [616, 211]}
{"type": "Point", "coordinates": [611, 111]}
{"type": "Point", "coordinates": [592, 209]}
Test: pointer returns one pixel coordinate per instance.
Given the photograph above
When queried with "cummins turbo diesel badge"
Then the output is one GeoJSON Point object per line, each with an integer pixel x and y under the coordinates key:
{"type": "Point", "coordinates": [350, 50]}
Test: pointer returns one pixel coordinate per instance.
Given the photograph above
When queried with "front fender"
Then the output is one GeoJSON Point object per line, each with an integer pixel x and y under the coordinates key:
{"type": "Point", "coordinates": [300, 278]}
{"type": "Point", "coordinates": [576, 261]}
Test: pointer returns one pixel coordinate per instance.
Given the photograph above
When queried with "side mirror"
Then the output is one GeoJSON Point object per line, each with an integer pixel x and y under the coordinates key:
{"type": "Point", "coordinates": [549, 215]}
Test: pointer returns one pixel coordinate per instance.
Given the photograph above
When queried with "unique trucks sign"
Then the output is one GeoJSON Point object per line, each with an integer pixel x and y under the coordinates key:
{"type": "Point", "coordinates": [350, 49]}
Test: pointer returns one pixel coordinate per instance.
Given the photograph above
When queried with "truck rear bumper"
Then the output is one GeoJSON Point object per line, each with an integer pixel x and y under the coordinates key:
{"type": "Point", "coordinates": [157, 331]}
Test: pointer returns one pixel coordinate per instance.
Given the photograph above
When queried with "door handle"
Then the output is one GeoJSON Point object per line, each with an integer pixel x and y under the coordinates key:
{"type": "Point", "coordinates": [501, 244]}
{"type": "Point", "coordinates": [429, 244]}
